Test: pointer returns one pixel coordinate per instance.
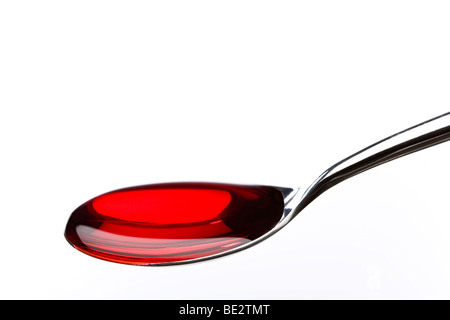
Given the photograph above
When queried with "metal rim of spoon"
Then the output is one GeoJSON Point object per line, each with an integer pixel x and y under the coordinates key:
{"type": "Point", "coordinates": [413, 139]}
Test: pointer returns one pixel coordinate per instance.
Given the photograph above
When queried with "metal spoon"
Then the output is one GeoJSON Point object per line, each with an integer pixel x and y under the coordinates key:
{"type": "Point", "coordinates": [175, 223]}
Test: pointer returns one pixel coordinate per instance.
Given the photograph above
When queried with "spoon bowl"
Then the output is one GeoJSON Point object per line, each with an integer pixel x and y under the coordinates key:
{"type": "Point", "coordinates": [175, 223]}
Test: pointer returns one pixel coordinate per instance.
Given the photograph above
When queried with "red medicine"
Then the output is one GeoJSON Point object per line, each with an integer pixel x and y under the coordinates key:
{"type": "Point", "coordinates": [173, 222]}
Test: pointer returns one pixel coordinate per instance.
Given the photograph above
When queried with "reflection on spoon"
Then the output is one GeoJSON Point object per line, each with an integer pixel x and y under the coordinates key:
{"type": "Point", "coordinates": [174, 223]}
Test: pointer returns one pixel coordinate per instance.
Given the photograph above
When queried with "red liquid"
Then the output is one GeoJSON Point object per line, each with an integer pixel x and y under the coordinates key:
{"type": "Point", "coordinates": [164, 223]}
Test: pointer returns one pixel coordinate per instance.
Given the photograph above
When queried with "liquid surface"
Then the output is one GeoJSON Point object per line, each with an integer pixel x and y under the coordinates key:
{"type": "Point", "coordinates": [165, 223]}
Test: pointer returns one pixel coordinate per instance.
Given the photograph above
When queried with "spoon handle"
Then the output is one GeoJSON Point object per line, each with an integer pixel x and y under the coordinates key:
{"type": "Point", "coordinates": [418, 137]}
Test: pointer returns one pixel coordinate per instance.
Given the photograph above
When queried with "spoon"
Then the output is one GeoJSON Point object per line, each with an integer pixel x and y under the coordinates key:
{"type": "Point", "coordinates": [175, 223]}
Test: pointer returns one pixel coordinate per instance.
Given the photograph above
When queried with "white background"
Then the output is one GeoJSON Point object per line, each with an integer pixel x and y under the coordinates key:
{"type": "Point", "coordinates": [99, 95]}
